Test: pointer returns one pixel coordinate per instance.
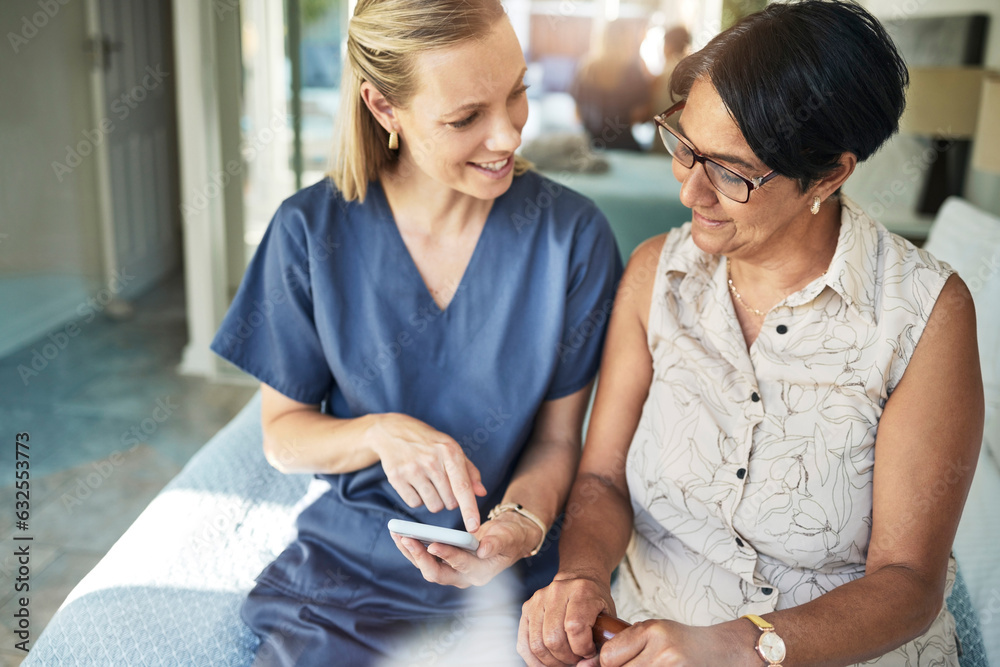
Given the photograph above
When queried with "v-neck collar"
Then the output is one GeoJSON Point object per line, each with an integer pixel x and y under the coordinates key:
{"type": "Point", "coordinates": [411, 266]}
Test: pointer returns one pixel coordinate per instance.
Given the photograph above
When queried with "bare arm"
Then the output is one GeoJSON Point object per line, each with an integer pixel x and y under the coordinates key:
{"type": "Point", "coordinates": [424, 465]}
{"type": "Point", "coordinates": [599, 513]}
{"type": "Point", "coordinates": [543, 477]}
{"type": "Point", "coordinates": [556, 622]}
{"type": "Point", "coordinates": [928, 443]}
{"type": "Point", "coordinates": [926, 451]}
{"type": "Point", "coordinates": [298, 438]}
{"type": "Point", "coordinates": [540, 484]}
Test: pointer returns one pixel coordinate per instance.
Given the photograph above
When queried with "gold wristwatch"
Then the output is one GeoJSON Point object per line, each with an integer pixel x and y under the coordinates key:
{"type": "Point", "coordinates": [770, 646]}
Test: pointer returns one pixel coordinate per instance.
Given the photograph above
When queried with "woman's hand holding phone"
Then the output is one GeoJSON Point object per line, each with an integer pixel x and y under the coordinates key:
{"type": "Point", "coordinates": [425, 466]}
{"type": "Point", "coordinates": [502, 541]}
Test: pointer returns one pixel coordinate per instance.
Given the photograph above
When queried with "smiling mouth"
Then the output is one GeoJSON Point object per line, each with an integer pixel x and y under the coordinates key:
{"type": "Point", "coordinates": [493, 166]}
{"type": "Point", "coordinates": [705, 217]}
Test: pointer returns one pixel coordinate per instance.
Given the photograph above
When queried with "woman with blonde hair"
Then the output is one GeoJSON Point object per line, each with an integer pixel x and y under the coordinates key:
{"type": "Point", "coordinates": [426, 324]}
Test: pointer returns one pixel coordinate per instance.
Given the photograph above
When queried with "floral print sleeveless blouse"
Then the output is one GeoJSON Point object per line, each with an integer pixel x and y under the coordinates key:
{"type": "Point", "coordinates": [750, 472]}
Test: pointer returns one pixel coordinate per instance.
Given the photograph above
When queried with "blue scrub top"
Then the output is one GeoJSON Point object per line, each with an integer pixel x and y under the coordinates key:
{"type": "Point", "coordinates": [333, 310]}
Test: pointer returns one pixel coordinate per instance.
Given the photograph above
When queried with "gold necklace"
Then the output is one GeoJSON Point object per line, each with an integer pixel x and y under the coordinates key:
{"type": "Point", "coordinates": [732, 288]}
{"type": "Point", "coordinates": [739, 297]}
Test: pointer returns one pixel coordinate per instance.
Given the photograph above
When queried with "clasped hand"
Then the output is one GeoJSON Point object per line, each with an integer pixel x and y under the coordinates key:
{"type": "Point", "coordinates": [557, 629]}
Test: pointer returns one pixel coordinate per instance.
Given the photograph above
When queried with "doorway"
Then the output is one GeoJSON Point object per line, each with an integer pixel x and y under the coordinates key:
{"type": "Point", "coordinates": [88, 194]}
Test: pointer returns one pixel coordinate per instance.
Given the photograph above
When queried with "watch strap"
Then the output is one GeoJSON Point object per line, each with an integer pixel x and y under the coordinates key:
{"type": "Point", "coordinates": [530, 516]}
{"type": "Point", "coordinates": [758, 621]}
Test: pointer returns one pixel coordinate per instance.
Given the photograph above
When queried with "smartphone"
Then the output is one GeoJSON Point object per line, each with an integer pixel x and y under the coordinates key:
{"type": "Point", "coordinates": [428, 534]}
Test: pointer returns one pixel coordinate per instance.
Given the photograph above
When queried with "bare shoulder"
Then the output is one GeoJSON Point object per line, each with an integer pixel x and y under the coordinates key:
{"type": "Point", "coordinates": [952, 322]}
{"type": "Point", "coordinates": [931, 430]}
{"type": "Point", "coordinates": [944, 371]}
{"type": "Point", "coordinates": [636, 289]}
{"type": "Point", "coordinates": [649, 250]}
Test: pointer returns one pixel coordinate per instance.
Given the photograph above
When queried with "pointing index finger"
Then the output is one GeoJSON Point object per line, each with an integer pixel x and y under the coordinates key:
{"type": "Point", "coordinates": [461, 486]}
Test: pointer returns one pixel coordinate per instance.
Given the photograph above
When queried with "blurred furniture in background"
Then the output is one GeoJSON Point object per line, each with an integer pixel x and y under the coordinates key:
{"type": "Point", "coordinates": [987, 148]}
{"type": "Point", "coordinates": [892, 185]}
{"type": "Point", "coordinates": [942, 104]}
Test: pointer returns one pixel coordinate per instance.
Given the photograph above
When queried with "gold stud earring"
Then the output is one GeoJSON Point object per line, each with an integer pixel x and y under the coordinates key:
{"type": "Point", "coordinates": [393, 140]}
{"type": "Point", "coordinates": [815, 207]}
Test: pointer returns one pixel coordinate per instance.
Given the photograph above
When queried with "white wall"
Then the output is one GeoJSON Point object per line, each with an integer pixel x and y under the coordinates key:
{"type": "Point", "coordinates": [50, 233]}
{"type": "Point", "coordinates": [51, 226]}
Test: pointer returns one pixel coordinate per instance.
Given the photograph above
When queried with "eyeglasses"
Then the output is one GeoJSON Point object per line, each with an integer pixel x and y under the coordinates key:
{"type": "Point", "coordinates": [732, 184]}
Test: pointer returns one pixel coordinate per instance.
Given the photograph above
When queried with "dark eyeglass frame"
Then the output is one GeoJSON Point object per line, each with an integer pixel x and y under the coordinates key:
{"type": "Point", "coordinates": [751, 183]}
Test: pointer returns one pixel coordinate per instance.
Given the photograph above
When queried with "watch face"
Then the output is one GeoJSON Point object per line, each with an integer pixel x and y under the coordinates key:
{"type": "Point", "coordinates": [772, 647]}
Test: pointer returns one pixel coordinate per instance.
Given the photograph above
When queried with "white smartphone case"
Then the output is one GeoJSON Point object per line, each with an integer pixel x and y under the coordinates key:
{"type": "Point", "coordinates": [428, 534]}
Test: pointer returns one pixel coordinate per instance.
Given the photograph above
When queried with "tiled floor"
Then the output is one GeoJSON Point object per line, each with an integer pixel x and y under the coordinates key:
{"type": "Point", "coordinates": [111, 422]}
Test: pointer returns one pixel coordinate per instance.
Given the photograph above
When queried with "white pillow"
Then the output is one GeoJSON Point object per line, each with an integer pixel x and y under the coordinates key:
{"type": "Point", "coordinates": [968, 239]}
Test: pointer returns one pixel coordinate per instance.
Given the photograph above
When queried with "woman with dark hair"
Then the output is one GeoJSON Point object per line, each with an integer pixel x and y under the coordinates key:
{"type": "Point", "coordinates": [790, 406]}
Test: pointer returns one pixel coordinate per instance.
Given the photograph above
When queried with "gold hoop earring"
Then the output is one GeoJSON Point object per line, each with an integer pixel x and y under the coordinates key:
{"type": "Point", "coordinates": [393, 140]}
{"type": "Point", "coordinates": [816, 203]}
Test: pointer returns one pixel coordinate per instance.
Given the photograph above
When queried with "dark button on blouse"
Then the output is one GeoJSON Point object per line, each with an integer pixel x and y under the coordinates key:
{"type": "Point", "coordinates": [782, 329]}
{"type": "Point", "coordinates": [767, 591]}
{"type": "Point", "coordinates": [755, 397]}
{"type": "Point", "coordinates": [739, 542]}
{"type": "Point", "coordinates": [741, 473]}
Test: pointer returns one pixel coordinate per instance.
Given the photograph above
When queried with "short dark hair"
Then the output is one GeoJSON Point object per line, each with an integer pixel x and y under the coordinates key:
{"type": "Point", "coordinates": [805, 82]}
